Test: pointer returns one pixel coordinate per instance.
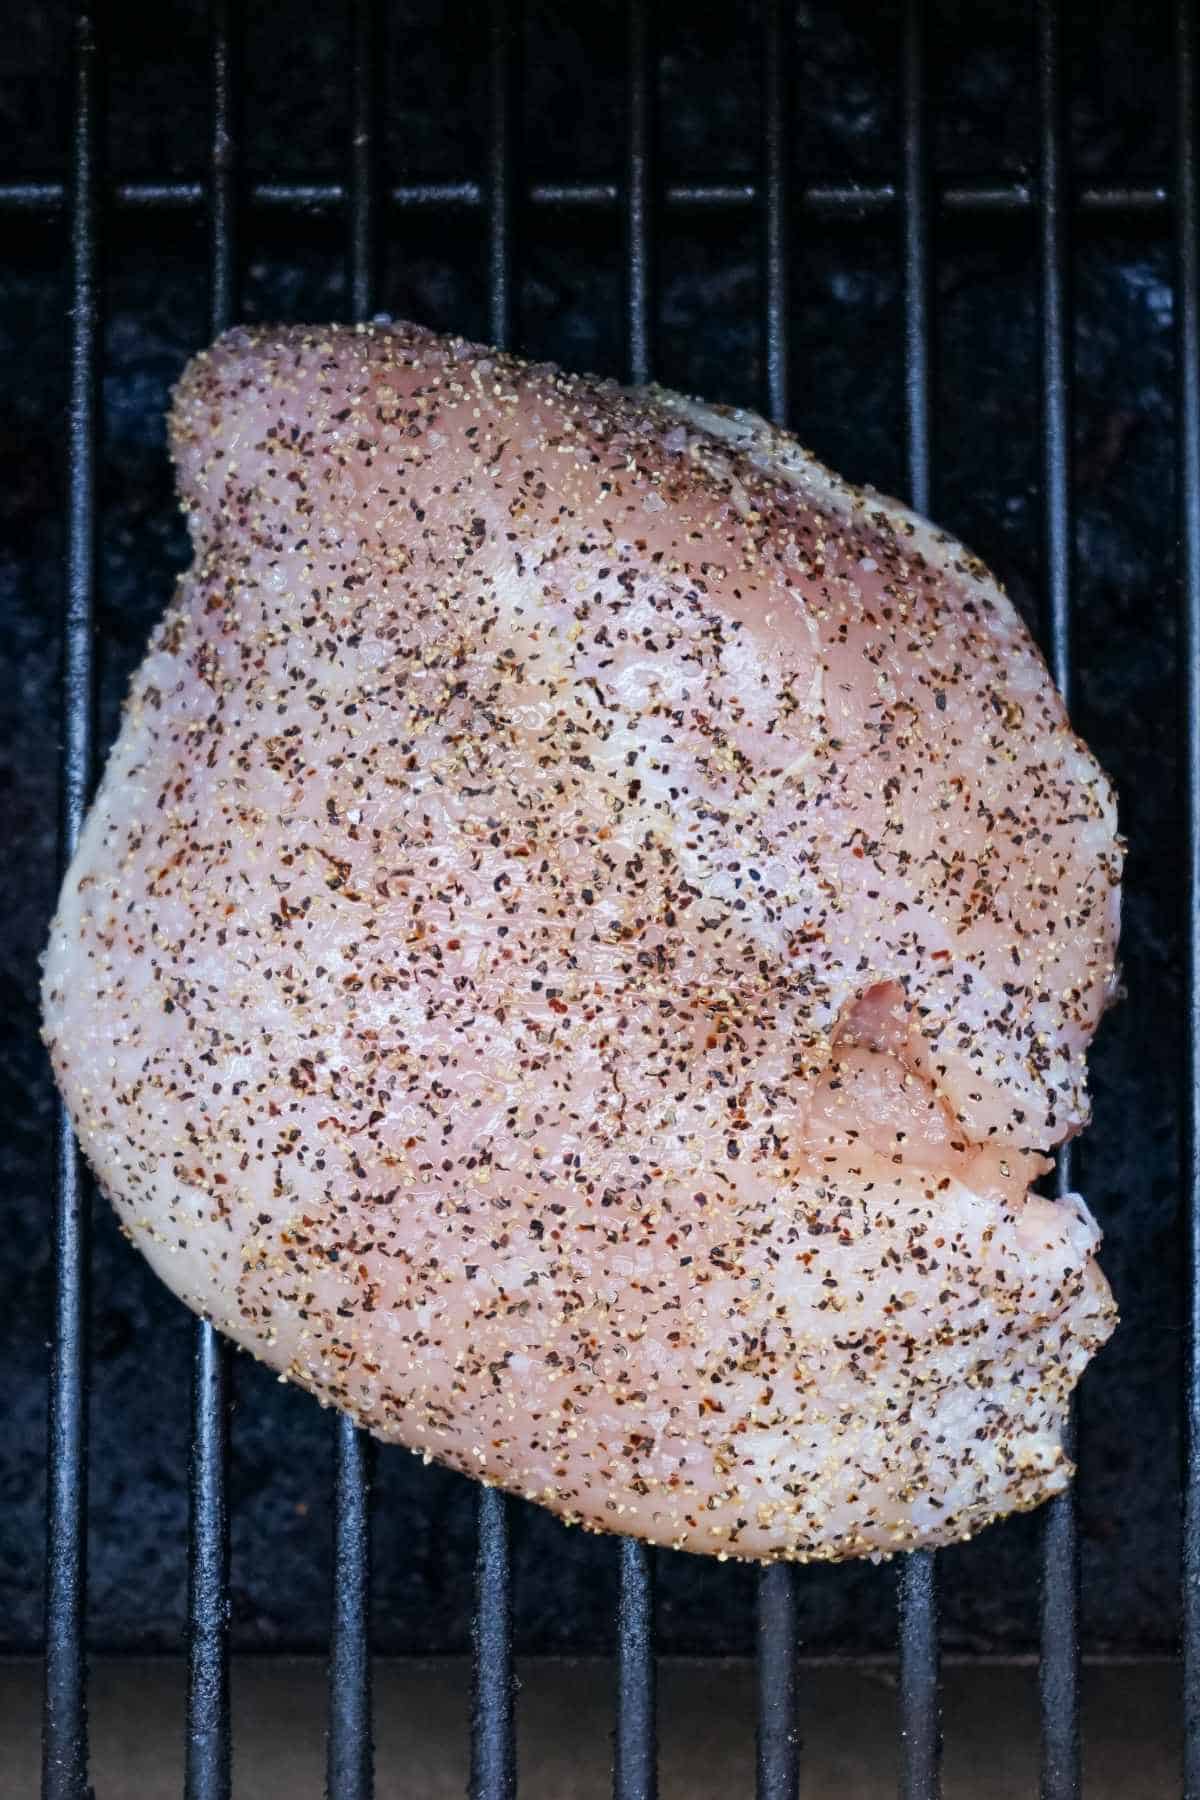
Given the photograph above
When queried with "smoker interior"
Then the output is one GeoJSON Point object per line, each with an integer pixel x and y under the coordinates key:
{"type": "Point", "coordinates": [654, 200]}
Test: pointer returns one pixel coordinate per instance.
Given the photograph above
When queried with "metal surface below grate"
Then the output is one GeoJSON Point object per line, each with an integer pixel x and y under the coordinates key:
{"type": "Point", "coordinates": [368, 208]}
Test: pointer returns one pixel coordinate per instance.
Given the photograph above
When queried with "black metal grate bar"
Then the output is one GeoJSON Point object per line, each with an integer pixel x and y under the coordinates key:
{"type": "Point", "coordinates": [776, 197]}
{"type": "Point", "coordinates": [493, 1735]}
{"type": "Point", "coordinates": [207, 1775]}
{"type": "Point", "coordinates": [349, 1762]}
{"type": "Point", "coordinates": [920, 1690]}
{"type": "Point", "coordinates": [920, 1718]}
{"type": "Point", "coordinates": [828, 199]}
{"type": "Point", "coordinates": [364, 196]}
{"type": "Point", "coordinates": [1053, 232]}
{"type": "Point", "coordinates": [918, 317]}
{"type": "Point", "coordinates": [209, 1750]}
{"type": "Point", "coordinates": [493, 1743]}
{"type": "Point", "coordinates": [1187, 301]}
{"type": "Point", "coordinates": [639, 195]}
{"type": "Point", "coordinates": [1058, 1674]}
{"type": "Point", "coordinates": [778, 1736]}
{"type": "Point", "coordinates": [349, 1750]}
{"type": "Point", "coordinates": [498, 192]}
{"type": "Point", "coordinates": [778, 1732]}
{"type": "Point", "coordinates": [64, 1727]}
{"type": "Point", "coordinates": [635, 1741]}
{"type": "Point", "coordinates": [223, 170]}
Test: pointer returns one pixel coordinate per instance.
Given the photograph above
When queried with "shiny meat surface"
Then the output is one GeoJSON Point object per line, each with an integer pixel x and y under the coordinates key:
{"type": "Point", "coordinates": [586, 931]}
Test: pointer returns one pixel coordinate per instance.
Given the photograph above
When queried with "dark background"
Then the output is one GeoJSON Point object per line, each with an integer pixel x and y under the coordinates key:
{"type": "Point", "coordinates": [847, 397]}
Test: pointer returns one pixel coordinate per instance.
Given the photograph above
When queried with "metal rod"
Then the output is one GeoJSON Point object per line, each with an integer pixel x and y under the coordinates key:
{"type": "Point", "coordinates": [349, 1758]}
{"type": "Point", "coordinates": [635, 1759]}
{"type": "Point", "coordinates": [1058, 1671]}
{"type": "Point", "coordinates": [1053, 230]}
{"type": "Point", "coordinates": [1058, 1668]}
{"type": "Point", "coordinates": [776, 208]}
{"type": "Point", "coordinates": [64, 1719]}
{"type": "Point", "coordinates": [493, 1744]}
{"type": "Point", "coordinates": [920, 1707]}
{"type": "Point", "coordinates": [639, 200]}
{"type": "Point", "coordinates": [778, 1737]}
{"type": "Point", "coordinates": [778, 1740]}
{"type": "Point", "coordinates": [920, 1675]}
{"type": "Point", "coordinates": [207, 1773]}
{"type": "Point", "coordinates": [349, 1747]}
{"type": "Point", "coordinates": [222, 175]}
{"type": "Point", "coordinates": [831, 200]}
{"type": "Point", "coordinates": [918, 314]}
{"type": "Point", "coordinates": [635, 1738]}
{"type": "Point", "coordinates": [208, 1756]}
{"type": "Point", "coordinates": [499, 188]}
{"type": "Point", "coordinates": [364, 157]}
{"type": "Point", "coordinates": [1187, 302]}
{"type": "Point", "coordinates": [493, 1774]}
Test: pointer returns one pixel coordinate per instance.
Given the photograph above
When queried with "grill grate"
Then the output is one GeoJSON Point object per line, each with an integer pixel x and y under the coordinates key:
{"type": "Point", "coordinates": [365, 203]}
{"type": "Point", "coordinates": [818, 199]}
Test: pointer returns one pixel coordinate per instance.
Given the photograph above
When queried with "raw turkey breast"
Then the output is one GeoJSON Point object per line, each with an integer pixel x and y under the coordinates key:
{"type": "Point", "coordinates": [586, 933]}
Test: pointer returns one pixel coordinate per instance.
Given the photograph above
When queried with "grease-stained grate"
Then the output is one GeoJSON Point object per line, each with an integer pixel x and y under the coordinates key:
{"type": "Point", "coordinates": [370, 208]}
